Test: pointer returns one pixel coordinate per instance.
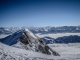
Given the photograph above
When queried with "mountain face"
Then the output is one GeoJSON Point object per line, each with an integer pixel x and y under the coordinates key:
{"type": "Point", "coordinates": [12, 39]}
{"type": "Point", "coordinates": [27, 40]}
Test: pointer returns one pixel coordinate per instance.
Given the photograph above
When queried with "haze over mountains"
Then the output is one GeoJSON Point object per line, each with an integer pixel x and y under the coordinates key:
{"type": "Point", "coordinates": [42, 30]}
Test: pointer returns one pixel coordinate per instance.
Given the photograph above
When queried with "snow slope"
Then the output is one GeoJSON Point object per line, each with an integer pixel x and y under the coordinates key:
{"type": "Point", "coordinates": [4, 35]}
{"type": "Point", "coordinates": [11, 39]}
{"type": "Point", "coordinates": [69, 53]}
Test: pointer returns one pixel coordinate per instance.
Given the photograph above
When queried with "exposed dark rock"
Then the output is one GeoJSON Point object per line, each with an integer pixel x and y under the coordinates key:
{"type": "Point", "coordinates": [40, 45]}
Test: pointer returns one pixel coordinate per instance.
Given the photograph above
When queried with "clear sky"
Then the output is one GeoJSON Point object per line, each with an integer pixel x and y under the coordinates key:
{"type": "Point", "coordinates": [19, 13]}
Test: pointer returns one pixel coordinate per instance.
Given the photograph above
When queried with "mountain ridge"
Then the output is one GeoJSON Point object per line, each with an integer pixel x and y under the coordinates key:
{"type": "Point", "coordinates": [42, 30]}
{"type": "Point", "coordinates": [29, 41]}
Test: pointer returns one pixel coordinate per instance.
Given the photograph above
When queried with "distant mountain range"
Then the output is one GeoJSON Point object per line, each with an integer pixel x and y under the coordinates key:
{"type": "Point", "coordinates": [42, 30]}
{"type": "Point", "coordinates": [63, 29]}
{"type": "Point", "coordinates": [64, 39]}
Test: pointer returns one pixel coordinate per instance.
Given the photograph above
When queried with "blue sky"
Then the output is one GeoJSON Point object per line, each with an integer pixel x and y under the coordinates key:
{"type": "Point", "coordinates": [39, 13]}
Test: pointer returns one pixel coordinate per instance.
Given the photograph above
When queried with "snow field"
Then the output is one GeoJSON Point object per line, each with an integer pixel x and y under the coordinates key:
{"type": "Point", "coordinates": [67, 52]}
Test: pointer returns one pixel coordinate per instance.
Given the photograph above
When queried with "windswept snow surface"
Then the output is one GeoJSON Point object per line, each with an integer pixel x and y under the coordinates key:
{"type": "Point", "coordinates": [3, 35]}
{"type": "Point", "coordinates": [67, 52]}
{"type": "Point", "coordinates": [57, 35]}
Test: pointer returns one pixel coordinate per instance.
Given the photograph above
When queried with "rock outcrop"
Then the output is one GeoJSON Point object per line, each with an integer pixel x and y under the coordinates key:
{"type": "Point", "coordinates": [32, 42]}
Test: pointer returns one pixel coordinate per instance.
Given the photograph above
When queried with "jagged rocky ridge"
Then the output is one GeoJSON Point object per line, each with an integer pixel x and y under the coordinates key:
{"type": "Point", "coordinates": [28, 41]}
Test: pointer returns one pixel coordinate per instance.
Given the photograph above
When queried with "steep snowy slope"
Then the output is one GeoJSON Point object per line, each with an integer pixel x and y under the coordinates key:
{"type": "Point", "coordinates": [11, 39]}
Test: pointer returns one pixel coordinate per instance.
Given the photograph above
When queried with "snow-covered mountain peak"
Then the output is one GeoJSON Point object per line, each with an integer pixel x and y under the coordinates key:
{"type": "Point", "coordinates": [30, 33]}
{"type": "Point", "coordinates": [27, 40]}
